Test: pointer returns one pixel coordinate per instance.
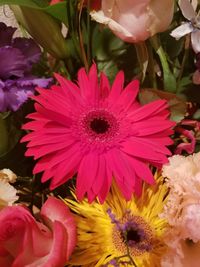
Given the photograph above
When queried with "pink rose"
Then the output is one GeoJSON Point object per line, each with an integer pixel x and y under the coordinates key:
{"type": "Point", "coordinates": [53, 2]}
{"type": "Point", "coordinates": [25, 242]}
{"type": "Point", "coordinates": [135, 20]}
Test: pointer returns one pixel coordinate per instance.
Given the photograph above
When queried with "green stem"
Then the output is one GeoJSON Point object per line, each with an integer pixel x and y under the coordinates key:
{"type": "Point", "coordinates": [84, 57]}
{"type": "Point", "coordinates": [131, 259]}
{"type": "Point", "coordinates": [169, 80]}
{"type": "Point", "coordinates": [151, 67]}
{"type": "Point", "coordinates": [3, 136]}
{"type": "Point", "coordinates": [185, 56]}
{"type": "Point", "coordinates": [88, 33]}
{"type": "Point", "coordinates": [142, 57]}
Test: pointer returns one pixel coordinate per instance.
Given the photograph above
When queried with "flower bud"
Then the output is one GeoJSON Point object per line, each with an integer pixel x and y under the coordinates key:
{"type": "Point", "coordinates": [134, 21]}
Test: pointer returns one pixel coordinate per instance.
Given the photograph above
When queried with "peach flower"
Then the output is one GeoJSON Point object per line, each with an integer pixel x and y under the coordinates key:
{"type": "Point", "coordinates": [134, 21]}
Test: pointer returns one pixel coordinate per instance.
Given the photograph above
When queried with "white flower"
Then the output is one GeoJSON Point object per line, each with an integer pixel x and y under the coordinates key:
{"type": "Point", "coordinates": [190, 222]}
{"type": "Point", "coordinates": [181, 253]}
{"type": "Point", "coordinates": [183, 206]}
{"type": "Point", "coordinates": [182, 211]}
{"type": "Point", "coordinates": [188, 10]}
{"type": "Point", "coordinates": [8, 175]}
{"type": "Point", "coordinates": [8, 194]}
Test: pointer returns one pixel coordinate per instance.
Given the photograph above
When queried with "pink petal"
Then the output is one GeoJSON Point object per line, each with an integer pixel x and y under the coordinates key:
{"type": "Point", "coordinates": [106, 183]}
{"type": "Point", "coordinates": [32, 126]}
{"type": "Point", "coordinates": [188, 147]}
{"type": "Point", "coordinates": [57, 254]}
{"type": "Point", "coordinates": [100, 177]}
{"type": "Point", "coordinates": [93, 80]}
{"type": "Point", "coordinates": [149, 110]}
{"type": "Point", "coordinates": [104, 86]}
{"type": "Point", "coordinates": [142, 171]}
{"type": "Point", "coordinates": [149, 127]}
{"type": "Point", "coordinates": [66, 156]}
{"type": "Point", "coordinates": [121, 172]}
{"type": "Point", "coordinates": [133, 148]}
{"type": "Point", "coordinates": [55, 210]}
{"type": "Point", "coordinates": [70, 90]}
{"type": "Point", "coordinates": [86, 174]}
{"type": "Point", "coordinates": [48, 139]}
{"type": "Point", "coordinates": [54, 101]}
{"type": "Point", "coordinates": [39, 151]}
{"type": "Point", "coordinates": [89, 84]}
{"type": "Point", "coordinates": [54, 116]}
{"type": "Point", "coordinates": [66, 170]}
{"type": "Point", "coordinates": [128, 96]}
{"type": "Point", "coordinates": [138, 187]}
{"type": "Point", "coordinates": [116, 87]}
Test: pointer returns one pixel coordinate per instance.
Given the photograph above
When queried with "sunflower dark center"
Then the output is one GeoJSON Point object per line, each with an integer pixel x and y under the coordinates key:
{"type": "Point", "coordinates": [99, 125]}
{"type": "Point", "coordinates": [133, 235]}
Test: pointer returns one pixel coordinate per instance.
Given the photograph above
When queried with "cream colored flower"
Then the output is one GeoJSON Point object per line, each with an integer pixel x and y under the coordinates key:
{"type": "Point", "coordinates": [8, 175]}
{"type": "Point", "coordinates": [182, 253]}
{"type": "Point", "coordinates": [8, 194]}
{"type": "Point", "coordinates": [182, 211]}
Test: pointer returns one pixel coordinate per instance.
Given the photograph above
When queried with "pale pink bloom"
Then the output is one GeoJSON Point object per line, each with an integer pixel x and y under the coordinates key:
{"type": "Point", "coordinates": [99, 132]}
{"type": "Point", "coordinates": [190, 223]}
{"type": "Point", "coordinates": [134, 21]}
{"type": "Point", "coordinates": [181, 253]}
{"type": "Point", "coordinates": [182, 211]}
{"type": "Point", "coordinates": [26, 242]}
{"type": "Point", "coordinates": [192, 26]}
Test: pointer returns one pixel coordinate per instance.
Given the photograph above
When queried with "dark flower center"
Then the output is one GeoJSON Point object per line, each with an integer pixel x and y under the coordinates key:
{"type": "Point", "coordinates": [99, 125]}
{"type": "Point", "coordinates": [134, 232]}
{"type": "Point", "coordinates": [133, 235]}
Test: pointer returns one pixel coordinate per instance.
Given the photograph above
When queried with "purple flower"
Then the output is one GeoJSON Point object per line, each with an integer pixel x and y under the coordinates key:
{"type": "Point", "coordinates": [14, 92]}
{"type": "Point", "coordinates": [17, 58]}
{"type": "Point", "coordinates": [192, 26]}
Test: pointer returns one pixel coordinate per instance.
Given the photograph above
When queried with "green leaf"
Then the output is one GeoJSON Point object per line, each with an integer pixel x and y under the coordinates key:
{"type": "Point", "coordinates": [169, 81]}
{"type": "Point", "coordinates": [57, 11]}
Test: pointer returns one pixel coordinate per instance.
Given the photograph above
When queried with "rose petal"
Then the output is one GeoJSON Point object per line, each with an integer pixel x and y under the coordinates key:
{"type": "Point", "coordinates": [55, 210]}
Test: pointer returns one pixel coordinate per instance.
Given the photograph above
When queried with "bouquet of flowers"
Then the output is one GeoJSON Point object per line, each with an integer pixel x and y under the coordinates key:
{"type": "Point", "coordinates": [99, 133]}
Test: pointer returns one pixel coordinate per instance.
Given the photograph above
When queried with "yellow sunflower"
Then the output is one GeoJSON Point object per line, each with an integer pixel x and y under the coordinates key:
{"type": "Point", "coordinates": [120, 233]}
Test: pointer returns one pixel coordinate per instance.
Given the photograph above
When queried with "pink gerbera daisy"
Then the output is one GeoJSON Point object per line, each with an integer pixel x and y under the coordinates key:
{"type": "Point", "coordinates": [97, 132]}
